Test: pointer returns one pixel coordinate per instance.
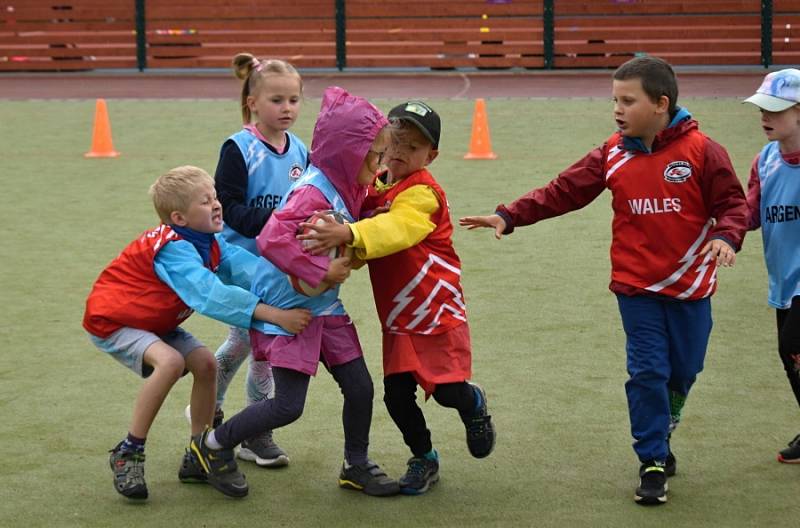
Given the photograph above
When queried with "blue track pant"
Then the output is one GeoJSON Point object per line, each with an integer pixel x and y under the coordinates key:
{"type": "Point", "coordinates": [666, 344]}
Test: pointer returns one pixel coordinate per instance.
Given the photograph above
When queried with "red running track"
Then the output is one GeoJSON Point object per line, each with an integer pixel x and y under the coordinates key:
{"type": "Point", "coordinates": [372, 85]}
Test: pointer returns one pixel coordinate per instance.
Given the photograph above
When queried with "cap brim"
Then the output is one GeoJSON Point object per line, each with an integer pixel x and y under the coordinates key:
{"type": "Point", "coordinates": [769, 102]}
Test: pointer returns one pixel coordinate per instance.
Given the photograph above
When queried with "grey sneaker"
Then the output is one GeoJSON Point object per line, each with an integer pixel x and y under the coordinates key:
{"type": "Point", "coordinates": [369, 478]}
{"type": "Point", "coordinates": [263, 451]}
{"type": "Point", "coordinates": [791, 455]}
{"type": "Point", "coordinates": [220, 467]}
{"type": "Point", "coordinates": [128, 468]}
{"type": "Point", "coordinates": [191, 472]}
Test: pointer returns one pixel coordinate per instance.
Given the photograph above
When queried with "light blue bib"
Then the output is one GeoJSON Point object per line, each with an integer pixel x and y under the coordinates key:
{"type": "Point", "coordinates": [780, 224]}
{"type": "Point", "coordinates": [269, 176]}
{"type": "Point", "coordinates": [273, 286]}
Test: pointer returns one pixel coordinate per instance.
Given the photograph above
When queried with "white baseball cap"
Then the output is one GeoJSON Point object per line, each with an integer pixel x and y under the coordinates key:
{"type": "Point", "coordinates": [779, 91]}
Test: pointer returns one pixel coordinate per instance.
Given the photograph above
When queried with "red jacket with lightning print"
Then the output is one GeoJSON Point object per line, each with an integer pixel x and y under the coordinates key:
{"type": "Point", "coordinates": [418, 290]}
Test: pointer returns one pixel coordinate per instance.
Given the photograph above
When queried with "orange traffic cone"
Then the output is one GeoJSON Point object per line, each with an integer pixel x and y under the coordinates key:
{"type": "Point", "coordinates": [102, 147]}
{"type": "Point", "coordinates": [480, 146]}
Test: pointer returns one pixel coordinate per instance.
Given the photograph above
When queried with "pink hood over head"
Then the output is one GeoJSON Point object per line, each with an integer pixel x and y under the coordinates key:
{"type": "Point", "coordinates": [345, 129]}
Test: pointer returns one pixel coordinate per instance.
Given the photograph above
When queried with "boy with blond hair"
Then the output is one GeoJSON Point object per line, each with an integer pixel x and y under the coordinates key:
{"type": "Point", "coordinates": [138, 302]}
{"type": "Point", "coordinates": [679, 212]}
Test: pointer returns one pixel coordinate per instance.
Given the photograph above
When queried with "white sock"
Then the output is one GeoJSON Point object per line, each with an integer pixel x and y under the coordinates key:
{"type": "Point", "coordinates": [211, 441]}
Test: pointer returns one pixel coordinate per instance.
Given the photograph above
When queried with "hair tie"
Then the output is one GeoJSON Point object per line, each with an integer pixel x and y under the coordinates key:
{"type": "Point", "coordinates": [257, 65]}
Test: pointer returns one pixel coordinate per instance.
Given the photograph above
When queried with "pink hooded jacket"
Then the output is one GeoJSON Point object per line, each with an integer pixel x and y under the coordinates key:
{"type": "Point", "coordinates": [345, 130]}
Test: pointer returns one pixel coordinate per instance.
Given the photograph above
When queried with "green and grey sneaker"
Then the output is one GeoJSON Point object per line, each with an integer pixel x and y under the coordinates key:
{"type": "Point", "coordinates": [263, 451]}
{"type": "Point", "coordinates": [220, 467]}
{"type": "Point", "coordinates": [423, 472]}
{"type": "Point", "coordinates": [128, 468]}
{"type": "Point", "coordinates": [191, 472]}
{"type": "Point", "coordinates": [369, 478]}
{"type": "Point", "coordinates": [791, 455]}
{"type": "Point", "coordinates": [653, 486]}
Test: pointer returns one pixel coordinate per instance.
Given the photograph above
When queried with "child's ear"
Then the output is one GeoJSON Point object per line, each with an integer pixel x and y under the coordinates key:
{"type": "Point", "coordinates": [662, 105]}
{"type": "Point", "coordinates": [177, 218]}
{"type": "Point", "coordinates": [251, 103]}
{"type": "Point", "coordinates": [431, 156]}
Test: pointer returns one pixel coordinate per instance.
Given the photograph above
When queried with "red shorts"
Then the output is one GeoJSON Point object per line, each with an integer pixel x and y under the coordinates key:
{"type": "Point", "coordinates": [433, 359]}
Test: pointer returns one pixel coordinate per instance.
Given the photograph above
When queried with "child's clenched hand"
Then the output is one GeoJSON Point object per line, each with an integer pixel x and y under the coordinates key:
{"type": "Point", "coordinates": [338, 270]}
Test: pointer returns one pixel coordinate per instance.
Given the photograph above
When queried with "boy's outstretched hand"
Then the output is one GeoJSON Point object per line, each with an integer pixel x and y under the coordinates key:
{"type": "Point", "coordinates": [293, 321]}
{"type": "Point", "coordinates": [324, 236]}
{"type": "Point", "coordinates": [721, 251]}
{"type": "Point", "coordinates": [338, 270]}
{"type": "Point", "coordinates": [494, 221]}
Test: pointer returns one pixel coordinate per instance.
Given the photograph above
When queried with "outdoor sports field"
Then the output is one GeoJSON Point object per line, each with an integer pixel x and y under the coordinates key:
{"type": "Point", "coordinates": [548, 343]}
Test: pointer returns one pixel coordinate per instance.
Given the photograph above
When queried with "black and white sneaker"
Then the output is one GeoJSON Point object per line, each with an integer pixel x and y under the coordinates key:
{"type": "Point", "coordinates": [653, 487]}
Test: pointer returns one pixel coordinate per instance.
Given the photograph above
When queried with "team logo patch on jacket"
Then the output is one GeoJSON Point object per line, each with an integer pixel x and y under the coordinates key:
{"type": "Point", "coordinates": [295, 172]}
{"type": "Point", "coordinates": [678, 172]}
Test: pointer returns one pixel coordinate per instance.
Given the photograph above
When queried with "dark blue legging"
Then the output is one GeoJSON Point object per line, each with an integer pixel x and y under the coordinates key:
{"type": "Point", "coordinates": [287, 406]}
{"type": "Point", "coordinates": [789, 343]}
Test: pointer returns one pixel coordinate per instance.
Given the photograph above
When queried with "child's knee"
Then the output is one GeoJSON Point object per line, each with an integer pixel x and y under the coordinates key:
{"type": "Point", "coordinates": [399, 386]}
{"type": "Point", "coordinates": [235, 347]}
{"type": "Point", "coordinates": [394, 399]}
{"type": "Point", "coordinates": [788, 347]}
{"type": "Point", "coordinates": [289, 411]}
{"type": "Point", "coordinates": [239, 341]}
{"type": "Point", "coordinates": [171, 367]}
{"type": "Point", "coordinates": [359, 389]}
{"type": "Point", "coordinates": [205, 367]}
{"type": "Point", "coordinates": [354, 380]}
{"type": "Point", "coordinates": [646, 380]}
{"type": "Point", "coordinates": [682, 380]}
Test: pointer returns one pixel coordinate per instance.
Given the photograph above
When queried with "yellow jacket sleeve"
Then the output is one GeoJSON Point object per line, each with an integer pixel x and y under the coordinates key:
{"type": "Point", "coordinates": [405, 225]}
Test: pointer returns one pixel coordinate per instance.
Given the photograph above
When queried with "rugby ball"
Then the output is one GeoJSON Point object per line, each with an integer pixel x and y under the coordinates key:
{"type": "Point", "coordinates": [302, 286]}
